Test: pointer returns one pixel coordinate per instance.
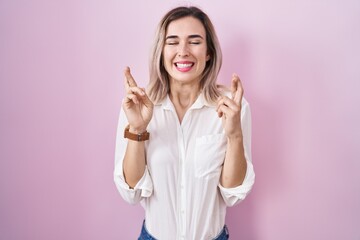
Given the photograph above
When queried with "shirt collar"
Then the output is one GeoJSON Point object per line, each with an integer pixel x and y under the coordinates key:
{"type": "Point", "coordinates": [199, 103]}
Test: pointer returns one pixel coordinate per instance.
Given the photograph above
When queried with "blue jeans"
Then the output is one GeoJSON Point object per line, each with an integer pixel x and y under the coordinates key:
{"type": "Point", "coordinates": [145, 235]}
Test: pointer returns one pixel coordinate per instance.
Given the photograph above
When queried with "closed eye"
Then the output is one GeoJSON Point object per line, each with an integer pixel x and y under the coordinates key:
{"type": "Point", "coordinates": [172, 43]}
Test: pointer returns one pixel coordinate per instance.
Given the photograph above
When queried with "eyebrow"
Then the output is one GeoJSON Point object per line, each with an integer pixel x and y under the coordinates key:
{"type": "Point", "coordinates": [190, 36]}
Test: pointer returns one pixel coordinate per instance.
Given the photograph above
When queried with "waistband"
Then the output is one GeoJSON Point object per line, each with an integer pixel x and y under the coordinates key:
{"type": "Point", "coordinates": [145, 235]}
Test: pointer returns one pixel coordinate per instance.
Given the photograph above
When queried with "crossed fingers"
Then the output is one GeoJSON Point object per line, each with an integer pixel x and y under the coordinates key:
{"type": "Point", "coordinates": [237, 90]}
{"type": "Point", "coordinates": [129, 80]}
{"type": "Point", "coordinates": [232, 105]}
{"type": "Point", "coordinates": [132, 90]}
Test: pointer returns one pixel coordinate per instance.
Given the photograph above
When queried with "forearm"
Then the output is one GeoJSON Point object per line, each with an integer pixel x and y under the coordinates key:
{"type": "Point", "coordinates": [134, 162]}
{"type": "Point", "coordinates": [234, 168]}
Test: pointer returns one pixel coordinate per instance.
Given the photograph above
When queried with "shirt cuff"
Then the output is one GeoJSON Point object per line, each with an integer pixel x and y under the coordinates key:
{"type": "Point", "coordinates": [144, 184]}
{"type": "Point", "coordinates": [144, 187]}
{"type": "Point", "coordinates": [232, 196]}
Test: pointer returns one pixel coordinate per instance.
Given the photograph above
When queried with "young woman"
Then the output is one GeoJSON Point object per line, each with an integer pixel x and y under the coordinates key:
{"type": "Point", "coordinates": [184, 145]}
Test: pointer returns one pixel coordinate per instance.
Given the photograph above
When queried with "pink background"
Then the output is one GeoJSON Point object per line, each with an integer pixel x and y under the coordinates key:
{"type": "Point", "coordinates": [61, 88]}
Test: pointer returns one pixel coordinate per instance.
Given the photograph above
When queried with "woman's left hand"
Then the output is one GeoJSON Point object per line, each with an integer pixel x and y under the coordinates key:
{"type": "Point", "coordinates": [230, 109]}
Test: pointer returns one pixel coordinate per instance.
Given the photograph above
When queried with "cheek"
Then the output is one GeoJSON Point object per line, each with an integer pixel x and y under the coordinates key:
{"type": "Point", "coordinates": [167, 60]}
{"type": "Point", "coordinates": [202, 54]}
{"type": "Point", "coordinates": [204, 58]}
{"type": "Point", "coordinates": [167, 56]}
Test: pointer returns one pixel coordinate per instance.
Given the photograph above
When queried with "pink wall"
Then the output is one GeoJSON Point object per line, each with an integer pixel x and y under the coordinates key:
{"type": "Point", "coordinates": [60, 91]}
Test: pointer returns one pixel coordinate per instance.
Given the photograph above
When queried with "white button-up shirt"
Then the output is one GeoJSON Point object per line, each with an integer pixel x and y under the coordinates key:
{"type": "Point", "coordinates": [180, 189]}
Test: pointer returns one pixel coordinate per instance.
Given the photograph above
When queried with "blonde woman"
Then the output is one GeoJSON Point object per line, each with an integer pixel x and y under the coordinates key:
{"type": "Point", "coordinates": [184, 145]}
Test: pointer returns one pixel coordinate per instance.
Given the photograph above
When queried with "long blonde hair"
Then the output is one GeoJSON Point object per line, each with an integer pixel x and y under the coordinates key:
{"type": "Point", "coordinates": [159, 85]}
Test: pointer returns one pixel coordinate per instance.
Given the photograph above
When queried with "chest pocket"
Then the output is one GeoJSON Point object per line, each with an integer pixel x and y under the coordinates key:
{"type": "Point", "coordinates": [209, 154]}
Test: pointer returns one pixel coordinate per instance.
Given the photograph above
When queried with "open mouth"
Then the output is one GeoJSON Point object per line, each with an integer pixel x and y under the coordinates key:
{"type": "Point", "coordinates": [184, 66]}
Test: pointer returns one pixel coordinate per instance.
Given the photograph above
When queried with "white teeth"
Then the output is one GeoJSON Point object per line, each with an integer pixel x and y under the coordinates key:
{"type": "Point", "coordinates": [184, 65]}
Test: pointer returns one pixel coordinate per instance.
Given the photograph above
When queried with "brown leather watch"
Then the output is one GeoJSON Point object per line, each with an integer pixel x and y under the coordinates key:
{"type": "Point", "coordinates": [140, 137]}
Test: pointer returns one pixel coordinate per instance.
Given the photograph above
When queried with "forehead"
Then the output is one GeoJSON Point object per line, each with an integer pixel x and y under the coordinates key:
{"type": "Point", "coordinates": [185, 26]}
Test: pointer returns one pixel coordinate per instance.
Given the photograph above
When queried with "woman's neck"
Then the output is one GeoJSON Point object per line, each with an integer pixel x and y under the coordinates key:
{"type": "Point", "coordinates": [183, 96]}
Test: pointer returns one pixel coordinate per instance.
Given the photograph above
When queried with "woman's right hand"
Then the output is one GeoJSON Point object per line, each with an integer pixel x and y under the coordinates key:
{"type": "Point", "coordinates": [136, 104]}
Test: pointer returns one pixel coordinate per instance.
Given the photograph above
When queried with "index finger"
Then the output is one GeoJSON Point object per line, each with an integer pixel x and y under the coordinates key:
{"type": "Point", "coordinates": [129, 78]}
{"type": "Point", "coordinates": [238, 89]}
{"type": "Point", "coordinates": [234, 85]}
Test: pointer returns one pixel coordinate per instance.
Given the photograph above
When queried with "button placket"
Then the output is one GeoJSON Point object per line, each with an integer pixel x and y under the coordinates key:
{"type": "Point", "coordinates": [182, 191]}
{"type": "Point", "coordinates": [181, 198]}
{"type": "Point", "coordinates": [182, 141]}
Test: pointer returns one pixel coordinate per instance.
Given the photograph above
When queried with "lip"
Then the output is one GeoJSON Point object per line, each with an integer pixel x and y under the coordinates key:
{"type": "Point", "coordinates": [184, 66]}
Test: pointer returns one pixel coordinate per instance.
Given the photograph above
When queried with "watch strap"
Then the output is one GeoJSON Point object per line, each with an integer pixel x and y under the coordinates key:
{"type": "Point", "coordinates": [140, 137]}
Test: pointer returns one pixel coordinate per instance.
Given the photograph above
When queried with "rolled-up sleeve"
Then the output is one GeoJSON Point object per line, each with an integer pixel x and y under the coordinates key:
{"type": "Point", "coordinates": [235, 195]}
{"type": "Point", "coordinates": [144, 187]}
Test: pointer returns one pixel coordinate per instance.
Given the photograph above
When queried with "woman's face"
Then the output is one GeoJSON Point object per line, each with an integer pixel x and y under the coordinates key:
{"type": "Point", "coordinates": [185, 50]}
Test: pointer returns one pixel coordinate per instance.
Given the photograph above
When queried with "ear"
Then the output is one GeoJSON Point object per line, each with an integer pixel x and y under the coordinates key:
{"type": "Point", "coordinates": [207, 57]}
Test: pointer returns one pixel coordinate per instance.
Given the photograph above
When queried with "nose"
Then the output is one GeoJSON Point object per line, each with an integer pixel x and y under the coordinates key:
{"type": "Point", "coordinates": [183, 50]}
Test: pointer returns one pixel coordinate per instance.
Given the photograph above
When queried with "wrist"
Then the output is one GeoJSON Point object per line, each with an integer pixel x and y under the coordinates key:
{"type": "Point", "coordinates": [138, 130]}
{"type": "Point", "coordinates": [235, 137]}
{"type": "Point", "coordinates": [136, 134]}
